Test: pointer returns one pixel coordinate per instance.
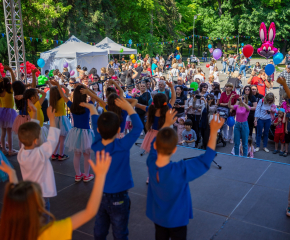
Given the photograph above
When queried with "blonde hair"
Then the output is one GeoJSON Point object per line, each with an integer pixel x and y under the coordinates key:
{"type": "Point", "coordinates": [175, 65]}
{"type": "Point", "coordinates": [268, 97]}
{"type": "Point", "coordinates": [235, 74]}
{"type": "Point", "coordinates": [229, 85]}
{"type": "Point", "coordinates": [103, 70]}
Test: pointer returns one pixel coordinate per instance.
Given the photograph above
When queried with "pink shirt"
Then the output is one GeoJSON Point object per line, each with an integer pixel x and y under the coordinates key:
{"type": "Point", "coordinates": [241, 113]}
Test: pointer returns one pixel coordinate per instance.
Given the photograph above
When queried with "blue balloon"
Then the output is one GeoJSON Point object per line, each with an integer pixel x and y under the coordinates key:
{"type": "Point", "coordinates": [278, 58]}
{"type": "Point", "coordinates": [242, 44]}
{"type": "Point", "coordinates": [231, 121]}
{"type": "Point", "coordinates": [40, 63]}
{"type": "Point", "coordinates": [130, 42]}
{"type": "Point", "coordinates": [209, 46]}
{"type": "Point", "coordinates": [177, 57]}
{"type": "Point", "coordinates": [269, 69]}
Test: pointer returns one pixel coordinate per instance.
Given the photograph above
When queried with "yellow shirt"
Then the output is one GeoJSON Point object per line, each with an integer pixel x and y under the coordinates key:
{"type": "Point", "coordinates": [60, 107]}
{"type": "Point", "coordinates": [7, 100]}
{"type": "Point", "coordinates": [40, 116]}
{"type": "Point", "coordinates": [59, 230]}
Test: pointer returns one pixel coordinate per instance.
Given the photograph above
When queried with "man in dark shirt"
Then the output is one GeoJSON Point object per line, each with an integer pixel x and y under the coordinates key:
{"type": "Point", "coordinates": [123, 75]}
{"type": "Point", "coordinates": [138, 69]}
{"type": "Point", "coordinates": [205, 56]}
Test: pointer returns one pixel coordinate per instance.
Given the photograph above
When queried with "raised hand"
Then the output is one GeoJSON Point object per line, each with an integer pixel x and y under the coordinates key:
{"type": "Point", "coordinates": [54, 82]}
{"type": "Point", "coordinates": [216, 123]}
{"type": "Point", "coordinates": [123, 104]}
{"type": "Point", "coordinates": [170, 117]}
{"type": "Point", "coordinates": [34, 70]}
{"type": "Point", "coordinates": [103, 162]}
{"type": "Point", "coordinates": [84, 90]}
{"type": "Point", "coordinates": [18, 97]}
{"type": "Point", "coordinates": [7, 68]}
{"type": "Point", "coordinates": [50, 112]}
{"type": "Point", "coordinates": [169, 84]}
{"type": "Point", "coordinates": [31, 106]}
{"type": "Point", "coordinates": [87, 105]}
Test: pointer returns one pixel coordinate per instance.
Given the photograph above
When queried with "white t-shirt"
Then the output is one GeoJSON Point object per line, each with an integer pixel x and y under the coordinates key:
{"type": "Point", "coordinates": [201, 78]}
{"type": "Point", "coordinates": [211, 69]}
{"type": "Point", "coordinates": [216, 77]}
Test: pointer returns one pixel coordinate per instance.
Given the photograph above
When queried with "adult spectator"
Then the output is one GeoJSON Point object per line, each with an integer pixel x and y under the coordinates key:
{"type": "Point", "coordinates": [157, 57]}
{"type": "Point", "coordinates": [161, 63]}
{"type": "Point", "coordinates": [223, 102]}
{"type": "Point", "coordinates": [203, 89]}
{"type": "Point", "coordinates": [162, 89]}
{"type": "Point", "coordinates": [256, 93]}
{"type": "Point", "coordinates": [123, 75]}
{"type": "Point", "coordinates": [180, 83]}
{"type": "Point", "coordinates": [260, 81]}
{"type": "Point", "coordinates": [252, 102]}
{"type": "Point", "coordinates": [287, 59]}
{"type": "Point", "coordinates": [263, 120]}
{"type": "Point", "coordinates": [180, 101]}
{"type": "Point", "coordinates": [168, 62]}
{"type": "Point", "coordinates": [116, 66]}
{"type": "Point", "coordinates": [224, 61]}
{"type": "Point", "coordinates": [285, 74]}
{"type": "Point", "coordinates": [174, 73]}
{"type": "Point", "coordinates": [204, 56]}
{"type": "Point", "coordinates": [122, 60]}
{"type": "Point", "coordinates": [243, 63]}
{"type": "Point", "coordinates": [180, 63]}
{"type": "Point", "coordinates": [234, 79]}
{"type": "Point", "coordinates": [199, 75]}
{"type": "Point", "coordinates": [216, 91]}
{"type": "Point", "coordinates": [231, 63]}
{"type": "Point", "coordinates": [139, 57]}
{"type": "Point", "coordinates": [154, 66]}
{"type": "Point", "coordinates": [210, 83]}
{"type": "Point", "coordinates": [139, 69]}
{"type": "Point", "coordinates": [45, 73]}
{"type": "Point", "coordinates": [194, 59]}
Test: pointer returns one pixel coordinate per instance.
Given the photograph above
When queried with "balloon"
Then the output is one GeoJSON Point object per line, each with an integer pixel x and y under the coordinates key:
{"type": "Point", "coordinates": [65, 65]}
{"type": "Point", "coordinates": [242, 44]}
{"type": "Point", "coordinates": [190, 46]}
{"type": "Point", "coordinates": [121, 50]}
{"type": "Point", "coordinates": [211, 50]}
{"type": "Point", "coordinates": [72, 72]}
{"type": "Point", "coordinates": [177, 48]}
{"type": "Point", "coordinates": [177, 57]}
{"type": "Point", "coordinates": [194, 85]}
{"type": "Point", "coordinates": [269, 69]}
{"type": "Point", "coordinates": [132, 56]}
{"type": "Point", "coordinates": [3, 74]}
{"type": "Point", "coordinates": [130, 42]}
{"type": "Point", "coordinates": [209, 46]}
{"type": "Point", "coordinates": [40, 63]}
{"type": "Point", "coordinates": [135, 65]}
{"type": "Point", "coordinates": [133, 61]}
{"type": "Point", "coordinates": [248, 50]}
{"type": "Point", "coordinates": [217, 53]}
{"type": "Point", "coordinates": [138, 61]}
{"type": "Point", "coordinates": [207, 65]}
{"type": "Point", "coordinates": [278, 58]}
{"type": "Point", "coordinates": [231, 121]}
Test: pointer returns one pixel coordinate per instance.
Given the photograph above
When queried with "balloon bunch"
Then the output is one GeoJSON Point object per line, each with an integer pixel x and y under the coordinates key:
{"type": "Point", "coordinates": [132, 56]}
{"type": "Point", "coordinates": [2, 70]}
{"type": "Point", "coordinates": [42, 79]}
{"type": "Point", "coordinates": [50, 74]}
{"type": "Point", "coordinates": [29, 68]}
{"type": "Point", "coordinates": [177, 57]}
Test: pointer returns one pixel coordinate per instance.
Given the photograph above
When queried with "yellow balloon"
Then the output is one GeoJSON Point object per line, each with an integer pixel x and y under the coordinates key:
{"type": "Point", "coordinates": [133, 61]}
{"type": "Point", "coordinates": [132, 56]}
{"type": "Point", "coordinates": [177, 48]}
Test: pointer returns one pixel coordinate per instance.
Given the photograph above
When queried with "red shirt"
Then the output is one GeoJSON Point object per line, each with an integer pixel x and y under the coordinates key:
{"type": "Point", "coordinates": [225, 98]}
{"type": "Point", "coordinates": [280, 127]}
{"type": "Point", "coordinates": [260, 85]}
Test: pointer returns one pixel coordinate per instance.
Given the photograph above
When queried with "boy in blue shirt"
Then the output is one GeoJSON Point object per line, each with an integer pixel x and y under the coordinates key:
{"type": "Point", "coordinates": [169, 203]}
{"type": "Point", "coordinates": [115, 205]}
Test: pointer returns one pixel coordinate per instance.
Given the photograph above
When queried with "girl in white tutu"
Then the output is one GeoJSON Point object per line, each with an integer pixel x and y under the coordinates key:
{"type": "Point", "coordinates": [61, 120]}
{"type": "Point", "coordinates": [32, 95]}
{"type": "Point", "coordinates": [7, 113]}
{"type": "Point", "coordinates": [80, 137]}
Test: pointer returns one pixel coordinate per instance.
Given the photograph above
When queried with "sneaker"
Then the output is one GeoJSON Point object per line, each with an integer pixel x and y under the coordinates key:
{"type": "Point", "coordinates": [285, 154]}
{"type": "Point", "coordinates": [275, 151]}
{"type": "Point", "coordinates": [231, 141]}
{"type": "Point", "coordinates": [147, 181]}
{"type": "Point", "coordinates": [281, 153]}
{"type": "Point", "coordinates": [288, 211]}
{"type": "Point", "coordinates": [226, 140]}
{"type": "Point", "coordinates": [88, 178]}
{"type": "Point", "coordinates": [54, 156]}
{"type": "Point", "coordinates": [63, 157]}
{"type": "Point", "coordinates": [79, 177]}
{"type": "Point", "coordinates": [266, 150]}
{"type": "Point", "coordinates": [257, 149]}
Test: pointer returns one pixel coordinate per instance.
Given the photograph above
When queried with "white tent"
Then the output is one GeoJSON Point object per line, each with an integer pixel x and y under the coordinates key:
{"type": "Point", "coordinates": [74, 52]}
{"type": "Point", "coordinates": [114, 48]}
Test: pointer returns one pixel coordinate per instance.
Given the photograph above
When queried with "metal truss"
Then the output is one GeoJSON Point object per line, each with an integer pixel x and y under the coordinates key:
{"type": "Point", "coordinates": [14, 34]}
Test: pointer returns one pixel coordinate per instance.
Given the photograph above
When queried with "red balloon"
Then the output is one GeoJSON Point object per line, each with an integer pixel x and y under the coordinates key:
{"type": "Point", "coordinates": [207, 65]}
{"type": "Point", "coordinates": [248, 50]}
{"type": "Point", "coordinates": [46, 89]}
{"type": "Point", "coordinates": [190, 46]}
{"type": "Point", "coordinates": [3, 74]}
{"type": "Point", "coordinates": [135, 65]}
{"type": "Point", "coordinates": [28, 71]}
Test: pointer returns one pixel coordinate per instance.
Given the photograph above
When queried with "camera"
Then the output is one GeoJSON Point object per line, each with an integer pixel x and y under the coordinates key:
{"type": "Point", "coordinates": [198, 97]}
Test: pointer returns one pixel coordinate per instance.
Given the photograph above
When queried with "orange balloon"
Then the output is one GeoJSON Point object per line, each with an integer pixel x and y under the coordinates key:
{"type": "Point", "coordinates": [177, 48]}
{"type": "Point", "coordinates": [133, 61]}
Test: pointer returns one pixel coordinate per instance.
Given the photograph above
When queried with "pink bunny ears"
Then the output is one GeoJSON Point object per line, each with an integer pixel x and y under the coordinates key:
{"type": "Point", "coordinates": [263, 33]}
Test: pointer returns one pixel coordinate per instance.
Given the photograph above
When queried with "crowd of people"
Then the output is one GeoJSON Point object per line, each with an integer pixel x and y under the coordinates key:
{"type": "Point", "coordinates": [106, 113]}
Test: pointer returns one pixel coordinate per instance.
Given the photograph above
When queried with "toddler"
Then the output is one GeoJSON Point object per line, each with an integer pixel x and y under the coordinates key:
{"type": "Point", "coordinates": [180, 128]}
{"type": "Point", "coordinates": [279, 123]}
{"type": "Point", "coordinates": [188, 135]}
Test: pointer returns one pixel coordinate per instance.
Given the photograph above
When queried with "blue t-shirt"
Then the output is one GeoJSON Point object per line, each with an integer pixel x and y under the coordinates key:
{"type": "Point", "coordinates": [156, 119]}
{"type": "Point", "coordinates": [169, 200]}
{"type": "Point", "coordinates": [124, 115]}
{"type": "Point", "coordinates": [153, 67]}
{"type": "Point", "coordinates": [119, 177]}
{"type": "Point", "coordinates": [81, 121]}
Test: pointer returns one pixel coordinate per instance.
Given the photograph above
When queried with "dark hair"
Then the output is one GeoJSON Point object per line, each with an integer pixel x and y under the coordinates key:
{"type": "Point", "coordinates": [5, 85]}
{"type": "Point", "coordinates": [166, 141]}
{"type": "Point", "coordinates": [212, 97]}
{"type": "Point", "coordinates": [19, 89]}
{"type": "Point", "coordinates": [182, 92]}
{"type": "Point", "coordinates": [108, 125]}
{"type": "Point", "coordinates": [113, 107]}
{"type": "Point", "coordinates": [159, 102]}
{"type": "Point", "coordinates": [93, 71]}
{"type": "Point", "coordinates": [54, 96]}
{"type": "Point", "coordinates": [29, 93]}
{"type": "Point", "coordinates": [188, 122]}
{"type": "Point", "coordinates": [201, 86]}
{"type": "Point", "coordinates": [129, 73]}
{"type": "Point", "coordinates": [216, 89]}
{"type": "Point", "coordinates": [28, 132]}
{"type": "Point", "coordinates": [250, 94]}
{"type": "Point", "coordinates": [46, 71]}
{"type": "Point", "coordinates": [110, 90]}
{"type": "Point", "coordinates": [85, 69]}
{"type": "Point", "coordinates": [77, 99]}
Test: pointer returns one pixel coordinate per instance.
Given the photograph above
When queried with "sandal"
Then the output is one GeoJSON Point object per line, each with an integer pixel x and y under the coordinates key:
{"type": "Point", "coordinates": [12, 153]}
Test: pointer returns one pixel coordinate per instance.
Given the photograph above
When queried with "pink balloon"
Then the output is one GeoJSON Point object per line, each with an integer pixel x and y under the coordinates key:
{"type": "Point", "coordinates": [72, 72]}
{"type": "Point", "coordinates": [211, 50]}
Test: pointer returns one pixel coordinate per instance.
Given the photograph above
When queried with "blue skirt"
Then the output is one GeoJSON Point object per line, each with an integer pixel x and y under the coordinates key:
{"type": "Point", "coordinates": [63, 124]}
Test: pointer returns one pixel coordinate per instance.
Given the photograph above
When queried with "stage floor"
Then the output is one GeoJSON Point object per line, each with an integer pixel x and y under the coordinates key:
{"type": "Point", "coordinates": [246, 199]}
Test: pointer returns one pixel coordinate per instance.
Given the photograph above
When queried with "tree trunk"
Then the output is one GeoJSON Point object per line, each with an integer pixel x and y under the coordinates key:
{"type": "Point", "coordinates": [284, 48]}
{"type": "Point", "coordinates": [219, 45]}
{"type": "Point", "coordinates": [220, 7]}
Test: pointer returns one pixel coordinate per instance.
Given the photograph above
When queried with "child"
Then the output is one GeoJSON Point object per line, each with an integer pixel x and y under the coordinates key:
{"type": "Point", "coordinates": [80, 137]}
{"type": "Point", "coordinates": [128, 126]}
{"type": "Point", "coordinates": [251, 148]}
{"type": "Point", "coordinates": [211, 67]}
{"type": "Point", "coordinates": [286, 104]}
{"type": "Point", "coordinates": [216, 75]}
{"type": "Point", "coordinates": [57, 103]}
{"type": "Point", "coordinates": [180, 127]}
{"type": "Point", "coordinates": [26, 198]}
{"type": "Point", "coordinates": [33, 158]}
{"type": "Point", "coordinates": [188, 135]}
{"type": "Point", "coordinates": [279, 123]}
{"type": "Point", "coordinates": [115, 207]}
{"type": "Point", "coordinates": [103, 74]}
{"type": "Point", "coordinates": [169, 203]}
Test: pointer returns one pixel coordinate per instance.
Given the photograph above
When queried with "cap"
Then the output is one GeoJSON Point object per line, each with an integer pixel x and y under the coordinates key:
{"type": "Point", "coordinates": [288, 66]}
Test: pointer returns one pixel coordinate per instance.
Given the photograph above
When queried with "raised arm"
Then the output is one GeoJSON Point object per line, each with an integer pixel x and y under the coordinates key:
{"type": "Point", "coordinates": [173, 94]}
{"type": "Point", "coordinates": [230, 102]}
{"type": "Point", "coordinates": [33, 78]}
{"type": "Point", "coordinates": [112, 82]}
{"type": "Point", "coordinates": [7, 68]}
{"type": "Point", "coordinates": [93, 95]}
{"type": "Point", "coordinates": [56, 83]}
{"type": "Point", "coordinates": [141, 106]}
{"type": "Point", "coordinates": [132, 101]}
{"type": "Point", "coordinates": [43, 95]}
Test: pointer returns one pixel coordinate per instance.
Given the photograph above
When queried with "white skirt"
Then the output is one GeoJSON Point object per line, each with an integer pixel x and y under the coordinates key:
{"type": "Point", "coordinates": [63, 124]}
{"type": "Point", "coordinates": [79, 140]}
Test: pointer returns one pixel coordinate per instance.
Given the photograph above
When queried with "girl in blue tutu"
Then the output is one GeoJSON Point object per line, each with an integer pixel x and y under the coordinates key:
{"type": "Point", "coordinates": [61, 120]}
{"type": "Point", "coordinates": [80, 137]}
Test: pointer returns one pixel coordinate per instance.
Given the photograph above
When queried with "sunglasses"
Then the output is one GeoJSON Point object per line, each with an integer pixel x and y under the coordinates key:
{"type": "Point", "coordinates": [228, 86]}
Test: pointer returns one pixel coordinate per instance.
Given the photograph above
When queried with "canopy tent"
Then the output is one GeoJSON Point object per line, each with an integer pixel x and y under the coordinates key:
{"type": "Point", "coordinates": [74, 52]}
{"type": "Point", "coordinates": [114, 48]}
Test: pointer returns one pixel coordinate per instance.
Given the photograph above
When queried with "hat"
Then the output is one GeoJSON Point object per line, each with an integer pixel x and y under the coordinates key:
{"type": "Point", "coordinates": [183, 118]}
{"type": "Point", "coordinates": [288, 66]}
{"type": "Point", "coordinates": [282, 109]}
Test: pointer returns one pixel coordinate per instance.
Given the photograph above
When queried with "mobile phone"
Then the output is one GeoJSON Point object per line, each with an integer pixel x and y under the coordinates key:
{"type": "Point", "coordinates": [198, 96]}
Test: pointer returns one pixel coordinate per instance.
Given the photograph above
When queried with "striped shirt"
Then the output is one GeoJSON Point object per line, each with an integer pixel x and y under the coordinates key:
{"type": "Point", "coordinates": [285, 75]}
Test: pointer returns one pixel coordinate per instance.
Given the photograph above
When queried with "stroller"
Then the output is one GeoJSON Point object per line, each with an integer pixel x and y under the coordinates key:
{"type": "Point", "coordinates": [224, 113]}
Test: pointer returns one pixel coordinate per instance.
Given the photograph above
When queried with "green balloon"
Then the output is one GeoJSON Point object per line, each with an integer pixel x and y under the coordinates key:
{"type": "Point", "coordinates": [45, 79]}
{"type": "Point", "coordinates": [40, 82]}
{"type": "Point", "coordinates": [121, 50]}
{"type": "Point", "coordinates": [138, 61]}
{"type": "Point", "coordinates": [194, 85]}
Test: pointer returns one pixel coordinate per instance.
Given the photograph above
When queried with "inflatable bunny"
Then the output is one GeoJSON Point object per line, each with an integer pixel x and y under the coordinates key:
{"type": "Point", "coordinates": [267, 48]}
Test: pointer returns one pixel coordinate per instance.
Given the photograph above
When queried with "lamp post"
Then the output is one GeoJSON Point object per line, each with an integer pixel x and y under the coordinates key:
{"type": "Point", "coordinates": [195, 17]}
